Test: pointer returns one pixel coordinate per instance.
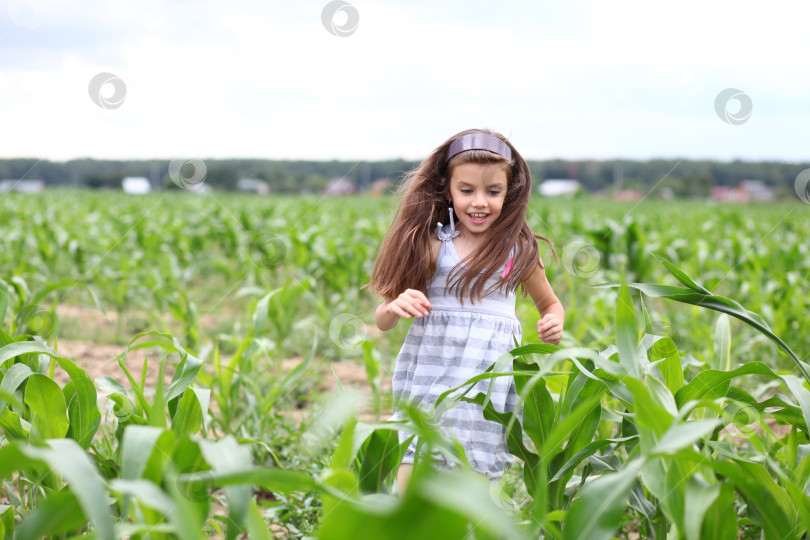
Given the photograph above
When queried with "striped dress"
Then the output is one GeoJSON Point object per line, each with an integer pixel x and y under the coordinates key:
{"type": "Point", "coordinates": [449, 346]}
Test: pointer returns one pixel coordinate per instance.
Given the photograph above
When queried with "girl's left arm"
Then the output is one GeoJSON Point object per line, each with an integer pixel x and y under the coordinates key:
{"type": "Point", "coordinates": [550, 327]}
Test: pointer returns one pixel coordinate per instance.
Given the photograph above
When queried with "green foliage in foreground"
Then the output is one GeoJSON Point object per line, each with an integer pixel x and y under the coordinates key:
{"type": "Point", "coordinates": [628, 438]}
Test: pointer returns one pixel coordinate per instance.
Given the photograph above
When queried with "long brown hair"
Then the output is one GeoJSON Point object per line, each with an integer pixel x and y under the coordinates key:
{"type": "Point", "coordinates": [403, 261]}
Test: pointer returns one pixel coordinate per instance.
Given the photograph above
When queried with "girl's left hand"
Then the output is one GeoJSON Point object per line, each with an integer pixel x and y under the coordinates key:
{"type": "Point", "coordinates": [550, 329]}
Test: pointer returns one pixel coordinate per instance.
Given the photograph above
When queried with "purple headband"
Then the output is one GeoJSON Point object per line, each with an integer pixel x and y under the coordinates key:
{"type": "Point", "coordinates": [478, 141]}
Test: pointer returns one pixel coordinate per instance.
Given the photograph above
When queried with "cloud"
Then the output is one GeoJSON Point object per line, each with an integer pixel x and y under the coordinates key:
{"type": "Point", "coordinates": [265, 79]}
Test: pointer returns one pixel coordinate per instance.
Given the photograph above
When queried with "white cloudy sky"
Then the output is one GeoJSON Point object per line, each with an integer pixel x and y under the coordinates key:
{"type": "Point", "coordinates": [580, 79]}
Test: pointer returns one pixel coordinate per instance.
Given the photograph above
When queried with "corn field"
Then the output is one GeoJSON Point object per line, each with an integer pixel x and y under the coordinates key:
{"type": "Point", "coordinates": [677, 405]}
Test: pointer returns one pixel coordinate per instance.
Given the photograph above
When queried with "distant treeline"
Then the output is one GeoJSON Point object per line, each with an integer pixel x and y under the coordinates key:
{"type": "Point", "coordinates": [683, 177]}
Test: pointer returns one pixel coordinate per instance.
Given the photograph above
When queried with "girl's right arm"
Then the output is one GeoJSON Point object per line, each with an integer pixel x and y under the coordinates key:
{"type": "Point", "coordinates": [411, 302]}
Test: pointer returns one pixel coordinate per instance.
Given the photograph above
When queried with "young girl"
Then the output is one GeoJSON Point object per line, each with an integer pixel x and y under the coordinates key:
{"type": "Point", "coordinates": [460, 286]}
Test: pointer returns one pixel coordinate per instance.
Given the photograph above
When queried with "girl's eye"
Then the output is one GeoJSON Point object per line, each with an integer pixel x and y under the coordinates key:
{"type": "Point", "coordinates": [494, 192]}
{"type": "Point", "coordinates": [466, 191]}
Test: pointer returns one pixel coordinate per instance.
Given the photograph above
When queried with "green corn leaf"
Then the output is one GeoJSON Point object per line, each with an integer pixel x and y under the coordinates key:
{"type": "Point", "coordinates": [13, 426]}
{"type": "Point", "coordinates": [670, 366]}
{"type": "Point", "coordinates": [146, 492]}
{"type": "Point", "coordinates": [383, 454]}
{"type": "Point", "coordinates": [51, 287]}
{"type": "Point", "coordinates": [626, 332]}
{"type": "Point", "coordinates": [570, 424]}
{"type": "Point", "coordinates": [720, 519]}
{"type": "Point", "coordinates": [794, 490]}
{"type": "Point", "coordinates": [773, 506]}
{"type": "Point", "coordinates": [227, 455]}
{"type": "Point", "coordinates": [514, 437]}
{"type": "Point", "coordinates": [413, 517]}
{"type": "Point", "coordinates": [186, 371]}
{"type": "Point", "coordinates": [188, 418]}
{"type": "Point", "coordinates": [58, 514]}
{"type": "Point", "coordinates": [66, 458]}
{"type": "Point", "coordinates": [81, 397]}
{"type": "Point", "coordinates": [270, 478]}
{"type": "Point", "coordinates": [468, 495]}
{"type": "Point", "coordinates": [680, 436]}
{"type": "Point", "coordinates": [49, 419]}
{"type": "Point", "coordinates": [597, 513]}
{"type": "Point", "coordinates": [13, 350]}
{"type": "Point", "coordinates": [137, 445]}
{"type": "Point", "coordinates": [124, 408]}
{"type": "Point", "coordinates": [801, 394]}
{"type": "Point", "coordinates": [700, 297]}
{"type": "Point", "coordinates": [256, 526]}
{"type": "Point", "coordinates": [534, 348]}
{"type": "Point", "coordinates": [722, 344]}
{"type": "Point", "coordinates": [681, 276]}
{"type": "Point", "coordinates": [189, 512]}
{"type": "Point", "coordinates": [7, 525]}
{"type": "Point", "coordinates": [649, 413]}
{"type": "Point", "coordinates": [585, 452]}
{"type": "Point", "coordinates": [13, 378]}
{"type": "Point", "coordinates": [711, 384]}
{"type": "Point", "coordinates": [538, 405]}
{"type": "Point", "coordinates": [3, 301]}
{"type": "Point", "coordinates": [142, 403]}
{"type": "Point", "coordinates": [699, 498]}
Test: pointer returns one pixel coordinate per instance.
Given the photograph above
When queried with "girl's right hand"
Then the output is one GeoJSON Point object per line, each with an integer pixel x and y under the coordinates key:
{"type": "Point", "coordinates": [411, 302]}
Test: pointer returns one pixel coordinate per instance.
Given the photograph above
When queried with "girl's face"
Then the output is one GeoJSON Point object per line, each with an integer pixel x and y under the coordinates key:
{"type": "Point", "coordinates": [477, 192]}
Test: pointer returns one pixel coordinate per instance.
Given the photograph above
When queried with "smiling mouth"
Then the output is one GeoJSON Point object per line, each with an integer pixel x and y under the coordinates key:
{"type": "Point", "coordinates": [477, 217]}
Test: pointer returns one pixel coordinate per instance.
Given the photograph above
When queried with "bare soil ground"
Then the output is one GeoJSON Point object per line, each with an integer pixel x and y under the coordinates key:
{"type": "Point", "coordinates": [101, 360]}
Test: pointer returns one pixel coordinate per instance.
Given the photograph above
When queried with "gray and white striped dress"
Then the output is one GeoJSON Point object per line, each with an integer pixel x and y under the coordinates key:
{"type": "Point", "coordinates": [450, 345]}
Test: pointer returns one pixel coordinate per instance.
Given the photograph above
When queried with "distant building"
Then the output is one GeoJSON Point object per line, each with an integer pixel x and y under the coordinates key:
{"type": "Point", "coordinates": [253, 185]}
{"type": "Point", "coordinates": [745, 191]}
{"type": "Point", "coordinates": [757, 190]}
{"type": "Point", "coordinates": [379, 186]}
{"type": "Point", "coordinates": [340, 186]}
{"type": "Point", "coordinates": [22, 186]}
{"type": "Point", "coordinates": [627, 195]}
{"type": "Point", "coordinates": [136, 185]}
{"type": "Point", "coordinates": [554, 187]}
